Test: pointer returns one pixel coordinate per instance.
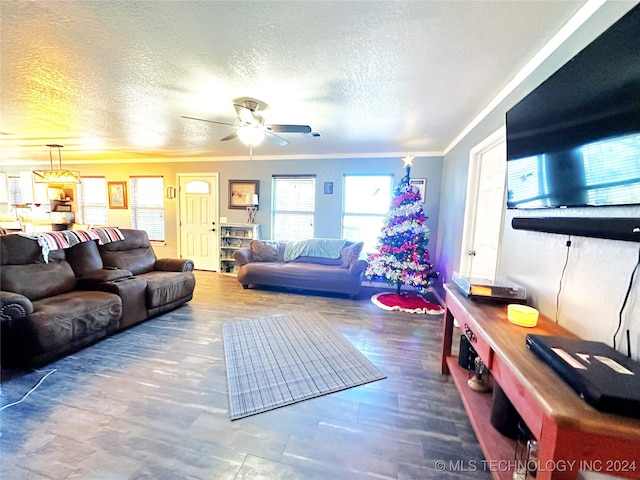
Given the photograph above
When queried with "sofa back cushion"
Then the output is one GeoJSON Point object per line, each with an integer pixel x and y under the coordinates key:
{"type": "Point", "coordinates": [134, 253]}
{"type": "Point", "coordinates": [349, 255]}
{"type": "Point", "coordinates": [16, 250]}
{"type": "Point", "coordinates": [25, 272]}
{"type": "Point", "coordinates": [84, 258]}
{"type": "Point", "coordinates": [38, 280]}
{"type": "Point", "coordinates": [263, 251]}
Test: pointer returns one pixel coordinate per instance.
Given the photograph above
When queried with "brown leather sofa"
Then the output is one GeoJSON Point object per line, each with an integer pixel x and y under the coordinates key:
{"type": "Point", "coordinates": [82, 294]}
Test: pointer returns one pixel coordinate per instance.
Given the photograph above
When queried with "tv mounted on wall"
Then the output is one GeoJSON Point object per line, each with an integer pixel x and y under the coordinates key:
{"type": "Point", "coordinates": [574, 141]}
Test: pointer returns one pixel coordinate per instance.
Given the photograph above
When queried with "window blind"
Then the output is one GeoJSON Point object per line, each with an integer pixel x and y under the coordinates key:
{"type": "Point", "coordinates": [15, 191]}
{"type": "Point", "coordinates": [147, 206]}
{"type": "Point", "coordinates": [92, 201]}
{"type": "Point", "coordinates": [365, 203]}
{"type": "Point", "coordinates": [293, 204]}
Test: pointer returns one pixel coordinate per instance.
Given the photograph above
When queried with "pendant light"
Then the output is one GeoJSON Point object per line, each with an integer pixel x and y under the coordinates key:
{"type": "Point", "coordinates": [59, 175]}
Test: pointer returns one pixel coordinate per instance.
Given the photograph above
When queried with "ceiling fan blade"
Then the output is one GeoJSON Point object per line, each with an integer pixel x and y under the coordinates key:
{"type": "Point", "coordinates": [258, 118]}
{"type": "Point", "coordinates": [289, 128]}
{"type": "Point", "coordinates": [244, 114]}
{"type": "Point", "coordinates": [205, 120]}
{"type": "Point", "coordinates": [231, 136]}
{"type": "Point", "coordinates": [275, 139]}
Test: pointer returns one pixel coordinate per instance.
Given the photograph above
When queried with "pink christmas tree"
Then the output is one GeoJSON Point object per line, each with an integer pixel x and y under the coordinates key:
{"type": "Point", "coordinates": [403, 257]}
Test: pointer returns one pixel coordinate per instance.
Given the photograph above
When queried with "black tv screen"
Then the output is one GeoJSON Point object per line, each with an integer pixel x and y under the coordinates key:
{"type": "Point", "coordinates": [574, 141]}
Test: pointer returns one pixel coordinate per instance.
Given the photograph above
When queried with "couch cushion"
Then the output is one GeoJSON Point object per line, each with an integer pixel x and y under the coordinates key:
{"type": "Point", "coordinates": [307, 276]}
{"type": "Point", "coordinates": [137, 261]}
{"type": "Point", "coordinates": [68, 321]}
{"type": "Point", "coordinates": [134, 253]}
{"type": "Point", "coordinates": [95, 279]}
{"type": "Point", "coordinates": [84, 258]}
{"type": "Point", "coordinates": [336, 262]}
{"type": "Point", "coordinates": [38, 280]}
{"type": "Point", "coordinates": [17, 250]}
{"type": "Point", "coordinates": [350, 254]}
{"type": "Point", "coordinates": [262, 251]}
{"type": "Point", "coordinates": [166, 287]}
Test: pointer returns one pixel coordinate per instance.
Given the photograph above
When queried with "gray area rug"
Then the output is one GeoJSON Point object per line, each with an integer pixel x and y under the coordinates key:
{"type": "Point", "coordinates": [284, 359]}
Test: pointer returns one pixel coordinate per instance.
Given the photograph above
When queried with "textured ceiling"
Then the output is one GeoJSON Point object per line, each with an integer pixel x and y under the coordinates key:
{"type": "Point", "coordinates": [110, 79]}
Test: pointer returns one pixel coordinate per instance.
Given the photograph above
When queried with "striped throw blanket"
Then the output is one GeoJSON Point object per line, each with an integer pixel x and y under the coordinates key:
{"type": "Point", "coordinates": [49, 241]}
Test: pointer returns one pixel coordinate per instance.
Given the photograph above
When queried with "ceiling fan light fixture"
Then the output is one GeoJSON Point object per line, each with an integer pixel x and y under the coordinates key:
{"type": "Point", "coordinates": [56, 176]}
{"type": "Point", "coordinates": [251, 135]}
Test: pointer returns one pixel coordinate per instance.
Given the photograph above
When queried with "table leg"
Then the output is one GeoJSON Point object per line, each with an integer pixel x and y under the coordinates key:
{"type": "Point", "coordinates": [447, 335]}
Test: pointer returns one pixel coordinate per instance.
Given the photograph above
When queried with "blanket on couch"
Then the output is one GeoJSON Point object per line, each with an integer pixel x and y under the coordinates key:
{"type": "Point", "coordinates": [68, 238]}
{"type": "Point", "coordinates": [315, 247]}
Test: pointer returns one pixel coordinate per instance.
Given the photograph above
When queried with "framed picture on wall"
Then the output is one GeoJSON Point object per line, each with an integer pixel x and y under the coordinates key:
{"type": "Point", "coordinates": [117, 192]}
{"type": "Point", "coordinates": [238, 191]}
{"type": "Point", "coordinates": [421, 184]}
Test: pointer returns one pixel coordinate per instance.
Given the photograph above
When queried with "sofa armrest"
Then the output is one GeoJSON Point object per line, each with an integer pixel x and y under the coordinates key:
{"type": "Point", "coordinates": [14, 306]}
{"type": "Point", "coordinates": [358, 266]}
{"type": "Point", "coordinates": [174, 265]}
{"type": "Point", "coordinates": [242, 256]}
{"type": "Point", "coordinates": [92, 280]}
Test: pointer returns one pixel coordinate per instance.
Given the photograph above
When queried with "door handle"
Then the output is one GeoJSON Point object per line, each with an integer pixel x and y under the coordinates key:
{"type": "Point", "coordinates": [213, 229]}
{"type": "Point", "coordinates": [471, 253]}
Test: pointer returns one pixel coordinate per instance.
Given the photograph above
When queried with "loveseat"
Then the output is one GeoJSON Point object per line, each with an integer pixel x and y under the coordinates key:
{"type": "Point", "coordinates": [336, 267]}
{"type": "Point", "coordinates": [55, 302]}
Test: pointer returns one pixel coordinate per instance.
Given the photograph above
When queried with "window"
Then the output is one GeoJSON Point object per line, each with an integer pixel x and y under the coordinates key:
{"type": "Point", "coordinates": [608, 183]}
{"type": "Point", "coordinates": [147, 206]}
{"type": "Point", "coordinates": [92, 201]}
{"type": "Point", "coordinates": [15, 191]}
{"type": "Point", "coordinates": [365, 203]}
{"type": "Point", "coordinates": [293, 206]}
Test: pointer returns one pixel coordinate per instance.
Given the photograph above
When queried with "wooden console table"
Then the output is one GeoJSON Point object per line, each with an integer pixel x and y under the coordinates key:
{"type": "Point", "coordinates": [572, 435]}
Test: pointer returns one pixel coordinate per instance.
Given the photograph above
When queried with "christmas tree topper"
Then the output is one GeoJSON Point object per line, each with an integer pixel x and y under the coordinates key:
{"type": "Point", "coordinates": [408, 160]}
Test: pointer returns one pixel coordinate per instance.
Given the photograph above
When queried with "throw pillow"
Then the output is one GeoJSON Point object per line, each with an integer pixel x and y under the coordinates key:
{"type": "Point", "coordinates": [350, 254]}
{"type": "Point", "coordinates": [264, 251]}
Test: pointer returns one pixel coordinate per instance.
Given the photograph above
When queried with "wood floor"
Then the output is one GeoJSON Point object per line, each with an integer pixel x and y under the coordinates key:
{"type": "Point", "coordinates": [151, 403]}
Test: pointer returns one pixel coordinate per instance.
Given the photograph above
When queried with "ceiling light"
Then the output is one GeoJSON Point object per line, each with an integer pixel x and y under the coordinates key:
{"type": "Point", "coordinates": [59, 175]}
{"type": "Point", "coordinates": [251, 135]}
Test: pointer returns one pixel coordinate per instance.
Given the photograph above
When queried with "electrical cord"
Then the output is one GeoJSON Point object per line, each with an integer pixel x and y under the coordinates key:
{"type": "Point", "coordinates": [566, 262]}
{"type": "Point", "coordinates": [29, 392]}
{"type": "Point", "coordinates": [626, 297]}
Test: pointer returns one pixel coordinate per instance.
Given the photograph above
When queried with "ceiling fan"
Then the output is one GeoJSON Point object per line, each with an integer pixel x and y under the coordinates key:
{"type": "Point", "coordinates": [251, 128]}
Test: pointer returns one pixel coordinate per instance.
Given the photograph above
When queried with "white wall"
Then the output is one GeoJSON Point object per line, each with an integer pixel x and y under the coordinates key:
{"type": "Point", "coordinates": [594, 284]}
{"type": "Point", "coordinates": [598, 271]}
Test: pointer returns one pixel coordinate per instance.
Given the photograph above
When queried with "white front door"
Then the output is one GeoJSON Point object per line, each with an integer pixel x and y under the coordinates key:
{"type": "Point", "coordinates": [485, 208]}
{"type": "Point", "coordinates": [198, 222]}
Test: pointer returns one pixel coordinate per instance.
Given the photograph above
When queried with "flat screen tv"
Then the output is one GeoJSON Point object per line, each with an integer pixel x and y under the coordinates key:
{"type": "Point", "coordinates": [574, 141]}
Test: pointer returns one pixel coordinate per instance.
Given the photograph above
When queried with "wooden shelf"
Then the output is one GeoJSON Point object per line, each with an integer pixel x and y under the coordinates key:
{"type": "Point", "coordinates": [241, 236]}
{"type": "Point", "coordinates": [495, 446]}
{"type": "Point", "coordinates": [572, 435]}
